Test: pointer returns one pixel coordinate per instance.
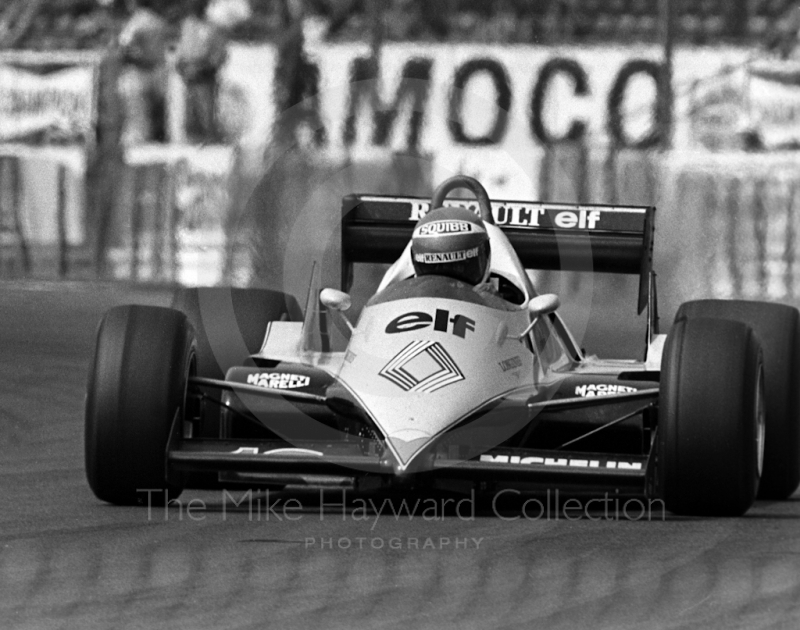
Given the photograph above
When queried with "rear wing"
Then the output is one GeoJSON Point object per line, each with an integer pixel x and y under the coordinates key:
{"type": "Point", "coordinates": [559, 236]}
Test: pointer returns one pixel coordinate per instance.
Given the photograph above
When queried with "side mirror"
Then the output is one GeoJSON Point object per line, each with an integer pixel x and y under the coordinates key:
{"type": "Point", "coordinates": [335, 299]}
{"type": "Point", "coordinates": [538, 306]}
{"type": "Point", "coordinates": [543, 305]}
{"type": "Point", "coordinates": [338, 302]}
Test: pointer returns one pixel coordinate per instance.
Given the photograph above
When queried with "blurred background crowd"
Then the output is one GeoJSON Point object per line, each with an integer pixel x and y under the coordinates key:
{"type": "Point", "coordinates": [88, 24]}
{"type": "Point", "coordinates": [193, 35]}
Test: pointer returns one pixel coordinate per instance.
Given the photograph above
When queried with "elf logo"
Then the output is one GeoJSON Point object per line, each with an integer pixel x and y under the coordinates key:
{"type": "Point", "coordinates": [441, 321]}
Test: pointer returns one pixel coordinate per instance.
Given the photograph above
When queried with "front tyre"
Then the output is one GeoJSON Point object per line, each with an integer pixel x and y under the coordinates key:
{"type": "Point", "coordinates": [711, 418]}
{"type": "Point", "coordinates": [777, 328]}
{"type": "Point", "coordinates": [136, 390]}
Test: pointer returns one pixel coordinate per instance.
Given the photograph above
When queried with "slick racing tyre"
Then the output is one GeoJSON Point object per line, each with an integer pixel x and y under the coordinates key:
{"type": "Point", "coordinates": [137, 388]}
{"type": "Point", "coordinates": [710, 418]}
{"type": "Point", "coordinates": [777, 328]}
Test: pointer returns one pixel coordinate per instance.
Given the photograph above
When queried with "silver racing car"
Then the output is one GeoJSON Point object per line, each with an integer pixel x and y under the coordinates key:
{"type": "Point", "coordinates": [456, 374]}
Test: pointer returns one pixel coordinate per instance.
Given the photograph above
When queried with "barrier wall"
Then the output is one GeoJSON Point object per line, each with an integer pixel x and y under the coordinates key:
{"type": "Point", "coordinates": [726, 227]}
{"type": "Point", "coordinates": [738, 216]}
{"type": "Point", "coordinates": [169, 222]}
{"type": "Point", "coordinates": [42, 209]}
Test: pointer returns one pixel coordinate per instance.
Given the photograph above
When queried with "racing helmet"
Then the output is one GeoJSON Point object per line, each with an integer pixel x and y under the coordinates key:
{"type": "Point", "coordinates": [451, 242]}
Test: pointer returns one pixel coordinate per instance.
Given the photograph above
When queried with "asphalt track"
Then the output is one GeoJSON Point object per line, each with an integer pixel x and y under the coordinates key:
{"type": "Point", "coordinates": [69, 561]}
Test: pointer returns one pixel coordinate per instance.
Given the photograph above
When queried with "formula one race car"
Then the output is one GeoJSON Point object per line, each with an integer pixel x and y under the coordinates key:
{"type": "Point", "coordinates": [439, 385]}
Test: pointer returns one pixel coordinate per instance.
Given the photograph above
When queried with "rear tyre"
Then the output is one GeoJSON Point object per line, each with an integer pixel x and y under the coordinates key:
{"type": "Point", "coordinates": [230, 323]}
{"type": "Point", "coordinates": [137, 386]}
{"type": "Point", "coordinates": [777, 328]}
{"type": "Point", "coordinates": [711, 418]}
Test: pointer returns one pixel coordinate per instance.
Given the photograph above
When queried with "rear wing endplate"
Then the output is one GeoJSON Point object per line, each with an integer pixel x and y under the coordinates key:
{"type": "Point", "coordinates": [558, 236]}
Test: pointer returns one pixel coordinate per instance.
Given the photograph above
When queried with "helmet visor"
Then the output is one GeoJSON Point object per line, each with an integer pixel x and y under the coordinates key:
{"type": "Point", "coordinates": [467, 265]}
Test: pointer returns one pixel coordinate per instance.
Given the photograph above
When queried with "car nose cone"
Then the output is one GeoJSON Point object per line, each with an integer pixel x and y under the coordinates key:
{"type": "Point", "coordinates": [405, 444]}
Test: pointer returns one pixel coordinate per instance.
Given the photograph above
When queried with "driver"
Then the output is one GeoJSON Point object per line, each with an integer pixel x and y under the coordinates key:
{"type": "Point", "coordinates": [453, 242]}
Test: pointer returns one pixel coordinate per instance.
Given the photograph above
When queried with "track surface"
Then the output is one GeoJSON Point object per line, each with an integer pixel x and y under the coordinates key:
{"type": "Point", "coordinates": [69, 561]}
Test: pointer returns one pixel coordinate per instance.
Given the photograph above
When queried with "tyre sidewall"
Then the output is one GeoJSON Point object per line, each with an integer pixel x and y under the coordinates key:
{"type": "Point", "coordinates": [777, 328]}
{"type": "Point", "coordinates": [137, 384]}
{"type": "Point", "coordinates": [707, 450]}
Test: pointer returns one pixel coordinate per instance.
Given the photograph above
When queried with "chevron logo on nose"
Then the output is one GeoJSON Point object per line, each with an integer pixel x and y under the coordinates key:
{"type": "Point", "coordinates": [422, 366]}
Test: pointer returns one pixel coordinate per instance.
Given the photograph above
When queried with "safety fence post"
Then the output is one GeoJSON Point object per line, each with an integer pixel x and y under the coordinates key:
{"type": "Point", "coordinates": [153, 222]}
{"type": "Point", "coordinates": [11, 230]}
{"type": "Point", "coordinates": [791, 237]}
{"type": "Point", "coordinates": [61, 222]}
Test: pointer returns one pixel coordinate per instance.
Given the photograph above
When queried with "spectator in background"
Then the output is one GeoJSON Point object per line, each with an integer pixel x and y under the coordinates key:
{"type": "Point", "coordinates": [200, 53]}
{"type": "Point", "coordinates": [560, 20]}
{"type": "Point", "coordinates": [339, 12]}
{"type": "Point", "coordinates": [228, 14]}
{"type": "Point", "coordinates": [142, 82]}
{"type": "Point", "coordinates": [784, 35]}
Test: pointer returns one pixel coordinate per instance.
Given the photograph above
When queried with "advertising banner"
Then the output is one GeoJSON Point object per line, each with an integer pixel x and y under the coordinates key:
{"type": "Point", "coordinates": [751, 105]}
{"type": "Point", "coordinates": [434, 97]}
{"type": "Point", "coordinates": [774, 102]}
{"type": "Point", "coordinates": [48, 115]}
{"type": "Point", "coordinates": [48, 98]}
